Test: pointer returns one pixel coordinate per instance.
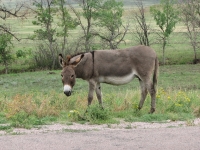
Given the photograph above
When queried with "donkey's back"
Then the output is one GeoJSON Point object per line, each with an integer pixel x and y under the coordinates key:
{"type": "Point", "coordinates": [121, 66]}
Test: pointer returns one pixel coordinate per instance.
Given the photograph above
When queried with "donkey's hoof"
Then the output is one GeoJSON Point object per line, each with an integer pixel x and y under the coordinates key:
{"type": "Point", "coordinates": [152, 110]}
{"type": "Point", "coordinates": [138, 108]}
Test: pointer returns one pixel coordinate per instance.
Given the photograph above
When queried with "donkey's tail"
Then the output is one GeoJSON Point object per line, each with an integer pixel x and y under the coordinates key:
{"type": "Point", "coordinates": [155, 74]}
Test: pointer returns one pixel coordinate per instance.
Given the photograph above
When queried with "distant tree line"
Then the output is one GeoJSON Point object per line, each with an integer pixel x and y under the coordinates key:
{"type": "Point", "coordinates": [100, 25]}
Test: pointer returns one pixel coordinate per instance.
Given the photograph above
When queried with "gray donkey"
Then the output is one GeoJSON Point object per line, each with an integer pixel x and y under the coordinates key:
{"type": "Point", "coordinates": [114, 67]}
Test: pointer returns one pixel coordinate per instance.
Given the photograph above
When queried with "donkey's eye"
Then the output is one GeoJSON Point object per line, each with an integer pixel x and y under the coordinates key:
{"type": "Point", "coordinates": [61, 75]}
{"type": "Point", "coordinates": [72, 76]}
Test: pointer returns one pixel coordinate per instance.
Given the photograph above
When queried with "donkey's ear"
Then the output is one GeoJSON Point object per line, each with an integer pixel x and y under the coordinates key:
{"type": "Point", "coordinates": [68, 58]}
{"type": "Point", "coordinates": [77, 61]}
{"type": "Point", "coordinates": [61, 61]}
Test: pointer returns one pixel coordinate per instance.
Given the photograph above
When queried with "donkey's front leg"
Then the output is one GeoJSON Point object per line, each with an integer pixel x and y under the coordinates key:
{"type": "Point", "coordinates": [92, 86]}
{"type": "Point", "coordinates": [98, 93]}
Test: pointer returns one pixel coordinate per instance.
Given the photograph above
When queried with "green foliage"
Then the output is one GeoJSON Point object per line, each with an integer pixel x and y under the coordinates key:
{"type": "Point", "coordinates": [55, 22]}
{"type": "Point", "coordinates": [74, 115]}
{"type": "Point", "coordinates": [166, 17]}
{"type": "Point", "coordinates": [2, 116]}
{"type": "Point", "coordinates": [44, 18]}
{"type": "Point", "coordinates": [43, 57]}
{"type": "Point", "coordinates": [103, 20]}
{"type": "Point", "coordinates": [22, 119]}
{"type": "Point", "coordinates": [5, 127]}
{"type": "Point", "coordinates": [109, 15]}
{"type": "Point", "coordinates": [20, 53]}
{"type": "Point", "coordinates": [95, 114]}
{"type": "Point", "coordinates": [182, 103]}
{"type": "Point", "coordinates": [66, 22]}
{"type": "Point", "coordinates": [5, 49]}
{"type": "Point", "coordinates": [178, 102]}
{"type": "Point", "coordinates": [89, 7]}
{"type": "Point", "coordinates": [5, 53]}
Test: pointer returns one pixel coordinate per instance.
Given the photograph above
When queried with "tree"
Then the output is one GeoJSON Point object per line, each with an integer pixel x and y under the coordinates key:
{"type": "Point", "coordinates": [109, 19]}
{"type": "Point", "coordinates": [166, 17]}
{"type": "Point", "coordinates": [66, 22]}
{"type": "Point", "coordinates": [190, 16]}
{"type": "Point", "coordinates": [88, 9]}
{"type": "Point", "coordinates": [45, 9]}
{"type": "Point", "coordinates": [106, 17]}
{"type": "Point", "coordinates": [55, 22]}
{"type": "Point", "coordinates": [141, 27]}
{"type": "Point", "coordinates": [5, 49]}
{"type": "Point", "coordinates": [18, 11]}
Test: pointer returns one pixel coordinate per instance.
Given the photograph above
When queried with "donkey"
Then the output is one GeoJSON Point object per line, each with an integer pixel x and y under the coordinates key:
{"type": "Point", "coordinates": [114, 67]}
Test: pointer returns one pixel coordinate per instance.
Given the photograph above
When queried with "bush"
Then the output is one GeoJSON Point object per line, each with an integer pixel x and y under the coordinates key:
{"type": "Point", "coordinates": [20, 53]}
{"type": "Point", "coordinates": [95, 113]}
{"type": "Point", "coordinates": [44, 59]}
{"type": "Point", "coordinates": [5, 50]}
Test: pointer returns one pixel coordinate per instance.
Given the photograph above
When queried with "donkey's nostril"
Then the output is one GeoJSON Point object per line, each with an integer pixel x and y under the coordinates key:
{"type": "Point", "coordinates": [67, 93]}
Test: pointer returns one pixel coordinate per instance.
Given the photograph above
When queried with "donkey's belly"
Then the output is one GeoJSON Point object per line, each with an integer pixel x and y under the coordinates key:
{"type": "Point", "coordinates": [117, 80]}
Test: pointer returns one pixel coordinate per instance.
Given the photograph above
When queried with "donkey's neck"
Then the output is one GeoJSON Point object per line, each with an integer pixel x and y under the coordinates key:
{"type": "Point", "coordinates": [85, 68]}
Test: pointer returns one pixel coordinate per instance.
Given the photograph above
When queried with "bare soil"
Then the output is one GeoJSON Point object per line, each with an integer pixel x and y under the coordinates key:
{"type": "Point", "coordinates": [128, 136]}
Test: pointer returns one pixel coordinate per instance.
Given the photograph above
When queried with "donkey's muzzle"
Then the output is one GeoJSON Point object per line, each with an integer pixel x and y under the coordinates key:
{"type": "Point", "coordinates": [67, 93]}
{"type": "Point", "coordinates": [67, 90]}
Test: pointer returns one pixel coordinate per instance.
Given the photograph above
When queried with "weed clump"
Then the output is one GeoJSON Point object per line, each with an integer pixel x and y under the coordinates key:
{"type": "Point", "coordinates": [96, 114]}
{"type": "Point", "coordinates": [74, 115]}
{"type": "Point", "coordinates": [181, 103]}
{"type": "Point", "coordinates": [24, 112]}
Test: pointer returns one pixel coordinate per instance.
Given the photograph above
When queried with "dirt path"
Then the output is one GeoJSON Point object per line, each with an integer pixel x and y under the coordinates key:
{"type": "Point", "coordinates": [127, 136]}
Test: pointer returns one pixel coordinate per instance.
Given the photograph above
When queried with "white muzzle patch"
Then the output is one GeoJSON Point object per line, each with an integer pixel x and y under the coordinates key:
{"type": "Point", "coordinates": [67, 90]}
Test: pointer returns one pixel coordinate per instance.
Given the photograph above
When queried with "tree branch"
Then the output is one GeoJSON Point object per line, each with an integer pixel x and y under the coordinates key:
{"type": "Point", "coordinates": [15, 12]}
{"type": "Point", "coordinates": [7, 31]}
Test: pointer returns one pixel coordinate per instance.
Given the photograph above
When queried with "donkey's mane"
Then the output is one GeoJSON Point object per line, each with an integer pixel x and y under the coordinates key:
{"type": "Point", "coordinates": [79, 53]}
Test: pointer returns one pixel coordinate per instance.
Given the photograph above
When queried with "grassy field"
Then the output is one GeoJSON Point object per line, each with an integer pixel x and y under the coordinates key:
{"type": "Point", "coordinates": [34, 98]}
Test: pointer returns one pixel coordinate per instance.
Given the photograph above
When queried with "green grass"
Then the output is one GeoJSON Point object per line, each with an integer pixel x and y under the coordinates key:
{"type": "Point", "coordinates": [34, 98]}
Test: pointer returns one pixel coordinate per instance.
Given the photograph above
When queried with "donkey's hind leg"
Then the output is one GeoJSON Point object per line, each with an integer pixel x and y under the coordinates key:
{"type": "Point", "coordinates": [143, 93]}
{"type": "Point", "coordinates": [152, 91]}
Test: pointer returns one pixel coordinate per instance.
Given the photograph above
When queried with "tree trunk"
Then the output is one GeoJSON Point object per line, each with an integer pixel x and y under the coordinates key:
{"type": "Point", "coordinates": [87, 38]}
{"type": "Point", "coordinates": [164, 45]}
{"type": "Point", "coordinates": [195, 54]}
{"type": "Point", "coordinates": [6, 68]}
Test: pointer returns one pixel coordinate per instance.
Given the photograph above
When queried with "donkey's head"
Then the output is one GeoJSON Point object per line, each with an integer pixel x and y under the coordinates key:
{"type": "Point", "coordinates": [68, 74]}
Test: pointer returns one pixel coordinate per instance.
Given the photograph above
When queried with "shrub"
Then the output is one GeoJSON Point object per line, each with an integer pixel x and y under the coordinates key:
{"type": "Point", "coordinates": [96, 113]}
{"type": "Point", "coordinates": [5, 50]}
{"type": "Point", "coordinates": [20, 53]}
{"type": "Point", "coordinates": [44, 59]}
